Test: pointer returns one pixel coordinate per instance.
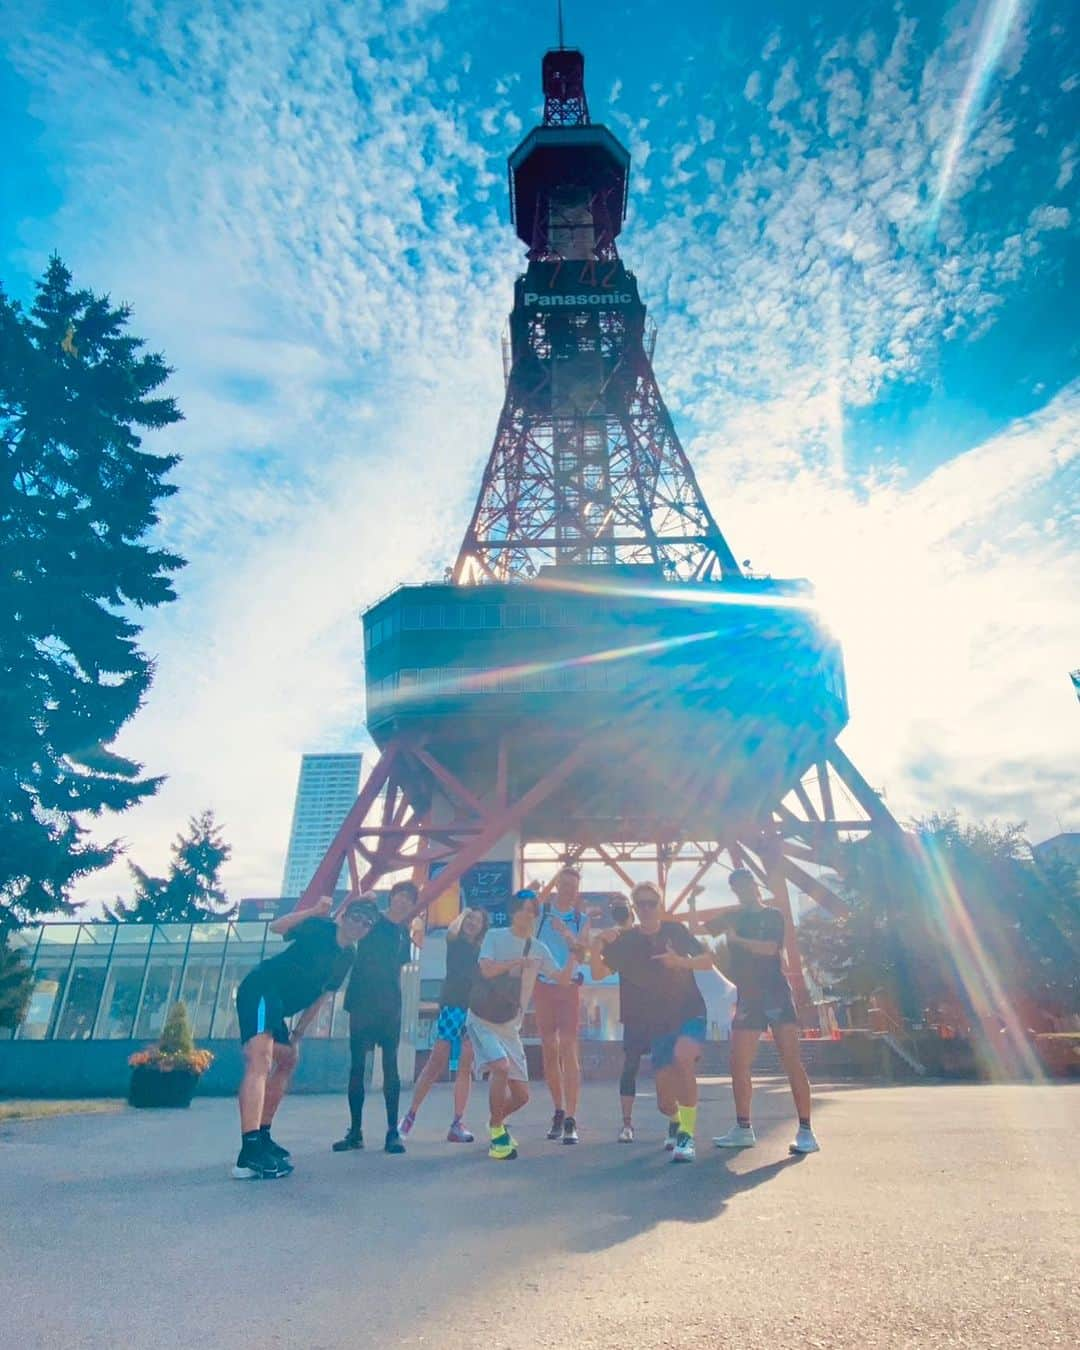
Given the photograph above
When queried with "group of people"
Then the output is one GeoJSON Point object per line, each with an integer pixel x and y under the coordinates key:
{"type": "Point", "coordinates": [492, 975]}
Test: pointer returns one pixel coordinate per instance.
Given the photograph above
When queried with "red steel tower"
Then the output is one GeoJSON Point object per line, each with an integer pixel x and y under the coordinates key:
{"type": "Point", "coordinates": [598, 679]}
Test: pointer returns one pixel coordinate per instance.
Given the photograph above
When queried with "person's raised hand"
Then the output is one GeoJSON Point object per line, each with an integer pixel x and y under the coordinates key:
{"type": "Point", "coordinates": [323, 905]}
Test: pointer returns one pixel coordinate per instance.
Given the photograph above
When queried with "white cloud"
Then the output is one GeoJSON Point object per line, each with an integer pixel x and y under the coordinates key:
{"type": "Point", "coordinates": [786, 89]}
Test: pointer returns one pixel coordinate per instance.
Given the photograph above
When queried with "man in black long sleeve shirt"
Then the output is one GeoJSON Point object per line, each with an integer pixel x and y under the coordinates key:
{"type": "Point", "coordinates": [373, 1002]}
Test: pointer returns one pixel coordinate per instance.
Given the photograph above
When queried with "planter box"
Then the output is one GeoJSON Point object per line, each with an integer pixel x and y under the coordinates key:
{"type": "Point", "coordinates": [151, 1087]}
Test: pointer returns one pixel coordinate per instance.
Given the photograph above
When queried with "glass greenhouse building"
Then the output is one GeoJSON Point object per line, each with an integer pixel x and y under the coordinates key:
{"type": "Point", "coordinates": [117, 981]}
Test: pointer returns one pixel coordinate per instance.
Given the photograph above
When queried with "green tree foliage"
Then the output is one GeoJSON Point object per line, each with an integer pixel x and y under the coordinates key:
{"type": "Point", "coordinates": [176, 1037]}
{"type": "Point", "coordinates": [78, 498]}
{"type": "Point", "coordinates": [957, 913]}
{"type": "Point", "coordinates": [192, 889]}
{"type": "Point", "coordinates": [16, 985]}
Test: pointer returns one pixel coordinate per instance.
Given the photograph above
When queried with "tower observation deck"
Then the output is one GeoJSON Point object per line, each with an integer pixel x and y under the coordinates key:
{"type": "Point", "coordinates": [597, 679]}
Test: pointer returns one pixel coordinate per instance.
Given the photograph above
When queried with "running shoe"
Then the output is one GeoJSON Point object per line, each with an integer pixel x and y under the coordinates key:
{"type": "Point", "coordinates": [626, 1134]}
{"type": "Point", "coordinates": [569, 1131]}
{"type": "Point", "coordinates": [683, 1151]}
{"type": "Point", "coordinates": [805, 1142]}
{"type": "Point", "coordinates": [503, 1147]}
{"type": "Point", "coordinates": [739, 1136]}
{"type": "Point", "coordinates": [353, 1139]}
{"type": "Point", "coordinates": [672, 1135]}
{"type": "Point", "coordinates": [556, 1125]}
{"type": "Point", "coordinates": [254, 1163]}
{"type": "Point", "coordinates": [393, 1142]}
{"type": "Point", "coordinates": [405, 1124]}
{"type": "Point", "coordinates": [459, 1134]}
{"type": "Point", "coordinates": [275, 1149]}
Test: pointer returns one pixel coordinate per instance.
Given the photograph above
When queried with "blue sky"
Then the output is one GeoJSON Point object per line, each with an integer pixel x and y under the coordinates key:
{"type": "Point", "coordinates": [855, 225]}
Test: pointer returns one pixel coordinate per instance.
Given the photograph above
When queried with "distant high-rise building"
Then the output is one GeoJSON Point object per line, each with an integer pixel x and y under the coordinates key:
{"type": "Point", "coordinates": [325, 793]}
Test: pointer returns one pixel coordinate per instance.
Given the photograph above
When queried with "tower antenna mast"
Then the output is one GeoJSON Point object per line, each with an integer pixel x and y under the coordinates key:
{"type": "Point", "coordinates": [562, 44]}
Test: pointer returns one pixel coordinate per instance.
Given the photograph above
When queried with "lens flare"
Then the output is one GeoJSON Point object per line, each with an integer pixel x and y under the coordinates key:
{"type": "Point", "coordinates": [1001, 15]}
{"type": "Point", "coordinates": [476, 680]}
{"type": "Point", "coordinates": [975, 967]}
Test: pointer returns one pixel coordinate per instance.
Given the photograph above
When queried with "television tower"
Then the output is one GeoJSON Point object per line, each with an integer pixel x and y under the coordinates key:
{"type": "Point", "coordinates": [597, 679]}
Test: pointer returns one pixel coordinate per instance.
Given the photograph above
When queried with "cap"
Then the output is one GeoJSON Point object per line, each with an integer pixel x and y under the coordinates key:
{"type": "Point", "coordinates": [740, 876]}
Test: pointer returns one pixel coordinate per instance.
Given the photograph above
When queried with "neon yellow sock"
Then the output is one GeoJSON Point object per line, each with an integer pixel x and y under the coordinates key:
{"type": "Point", "coordinates": [497, 1130]}
{"type": "Point", "coordinates": [688, 1119]}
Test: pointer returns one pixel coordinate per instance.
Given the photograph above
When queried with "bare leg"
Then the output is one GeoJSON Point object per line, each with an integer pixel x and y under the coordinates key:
{"type": "Point", "coordinates": [284, 1065]}
{"type": "Point", "coordinates": [498, 1090]}
{"type": "Point", "coordinates": [571, 1073]}
{"type": "Point", "coordinates": [687, 1054]}
{"type": "Point", "coordinates": [743, 1049]}
{"type": "Point", "coordinates": [517, 1094]}
{"type": "Point", "coordinates": [552, 1070]}
{"type": "Point", "coordinates": [787, 1042]}
{"type": "Point", "coordinates": [433, 1071]}
{"type": "Point", "coordinates": [667, 1090]}
{"type": "Point", "coordinates": [258, 1061]}
{"type": "Point", "coordinates": [463, 1082]}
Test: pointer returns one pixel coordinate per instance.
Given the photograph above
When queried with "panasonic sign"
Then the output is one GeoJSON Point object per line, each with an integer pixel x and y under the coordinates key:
{"type": "Point", "coordinates": [533, 298]}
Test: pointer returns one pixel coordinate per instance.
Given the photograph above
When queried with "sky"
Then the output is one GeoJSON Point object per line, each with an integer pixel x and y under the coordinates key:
{"type": "Point", "coordinates": [855, 225]}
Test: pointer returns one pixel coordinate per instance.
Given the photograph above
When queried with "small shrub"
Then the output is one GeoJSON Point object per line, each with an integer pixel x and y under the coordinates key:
{"type": "Point", "coordinates": [176, 1049]}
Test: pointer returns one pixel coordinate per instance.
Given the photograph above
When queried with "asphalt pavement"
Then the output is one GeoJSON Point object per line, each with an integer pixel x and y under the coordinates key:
{"type": "Point", "coordinates": [936, 1215]}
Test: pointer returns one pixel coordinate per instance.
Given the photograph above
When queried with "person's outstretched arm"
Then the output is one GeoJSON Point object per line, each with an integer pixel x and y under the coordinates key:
{"type": "Point", "coordinates": [319, 910]}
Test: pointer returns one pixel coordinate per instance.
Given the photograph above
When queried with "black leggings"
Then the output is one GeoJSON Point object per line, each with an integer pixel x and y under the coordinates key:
{"type": "Point", "coordinates": [632, 1056]}
{"type": "Point", "coordinates": [361, 1040]}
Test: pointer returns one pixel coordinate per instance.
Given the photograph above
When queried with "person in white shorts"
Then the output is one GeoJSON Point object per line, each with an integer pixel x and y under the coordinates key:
{"type": "Point", "coordinates": [509, 963]}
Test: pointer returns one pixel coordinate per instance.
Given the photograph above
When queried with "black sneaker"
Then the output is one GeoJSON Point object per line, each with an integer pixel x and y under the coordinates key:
{"type": "Point", "coordinates": [275, 1149]}
{"type": "Point", "coordinates": [393, 1142]}
{"type": "Point", "coordinates": [569, 1131]}
{"type": "Point", "coordinates": [353, 1139]}
{"type": "Point", "coordinates": [672, 1135]}
{"type": "Point", "coordinates": [254, 1163]}
{"type": "Point", "coordinates": [556, 1130]}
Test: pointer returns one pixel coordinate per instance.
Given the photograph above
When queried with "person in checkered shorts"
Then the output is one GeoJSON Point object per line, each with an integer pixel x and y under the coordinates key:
{"type": "Point", "coordinates": [463, 939]}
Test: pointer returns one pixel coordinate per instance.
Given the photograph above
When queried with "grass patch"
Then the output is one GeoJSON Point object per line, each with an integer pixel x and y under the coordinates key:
{"type": "Point", "coordinates": [28, 1108]}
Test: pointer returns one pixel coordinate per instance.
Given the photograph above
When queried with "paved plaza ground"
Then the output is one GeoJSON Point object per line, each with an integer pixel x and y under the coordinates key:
{"type": "Point", "coordinates": [937, 1215]}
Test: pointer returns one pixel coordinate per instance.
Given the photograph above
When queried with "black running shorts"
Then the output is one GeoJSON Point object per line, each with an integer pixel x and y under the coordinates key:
{"type": "Point", "coordinates": [758, 1013]}
{"type": "Point", "coordinates": [259, 1011]}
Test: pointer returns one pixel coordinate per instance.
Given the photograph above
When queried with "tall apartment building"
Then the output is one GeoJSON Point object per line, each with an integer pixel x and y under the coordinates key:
{"type": "Point", "coordinates": [326, 789]}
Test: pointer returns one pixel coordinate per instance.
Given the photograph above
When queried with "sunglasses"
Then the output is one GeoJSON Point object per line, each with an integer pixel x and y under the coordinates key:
{"type": "Point", "coordinates": [647, 904]}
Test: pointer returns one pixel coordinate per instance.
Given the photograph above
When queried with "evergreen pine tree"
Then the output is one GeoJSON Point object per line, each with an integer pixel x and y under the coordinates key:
{"type": "Point", "coordinates": [192, 889]}
{"type": "Point", "coordinates": [16, 985]}
{"type": "Point", "coordinates": [78, 497]}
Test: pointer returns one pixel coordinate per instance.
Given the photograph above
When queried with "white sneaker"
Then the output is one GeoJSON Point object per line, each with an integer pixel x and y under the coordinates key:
{"type": "Point", "coordinates": [626, 1134]}
{"type": "Point", "coordinates": [683, 1152]}
{"type": "Point", "coordinates": [805, 1142]}
{"type": "Point", "coordinates": [739, 1136]}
